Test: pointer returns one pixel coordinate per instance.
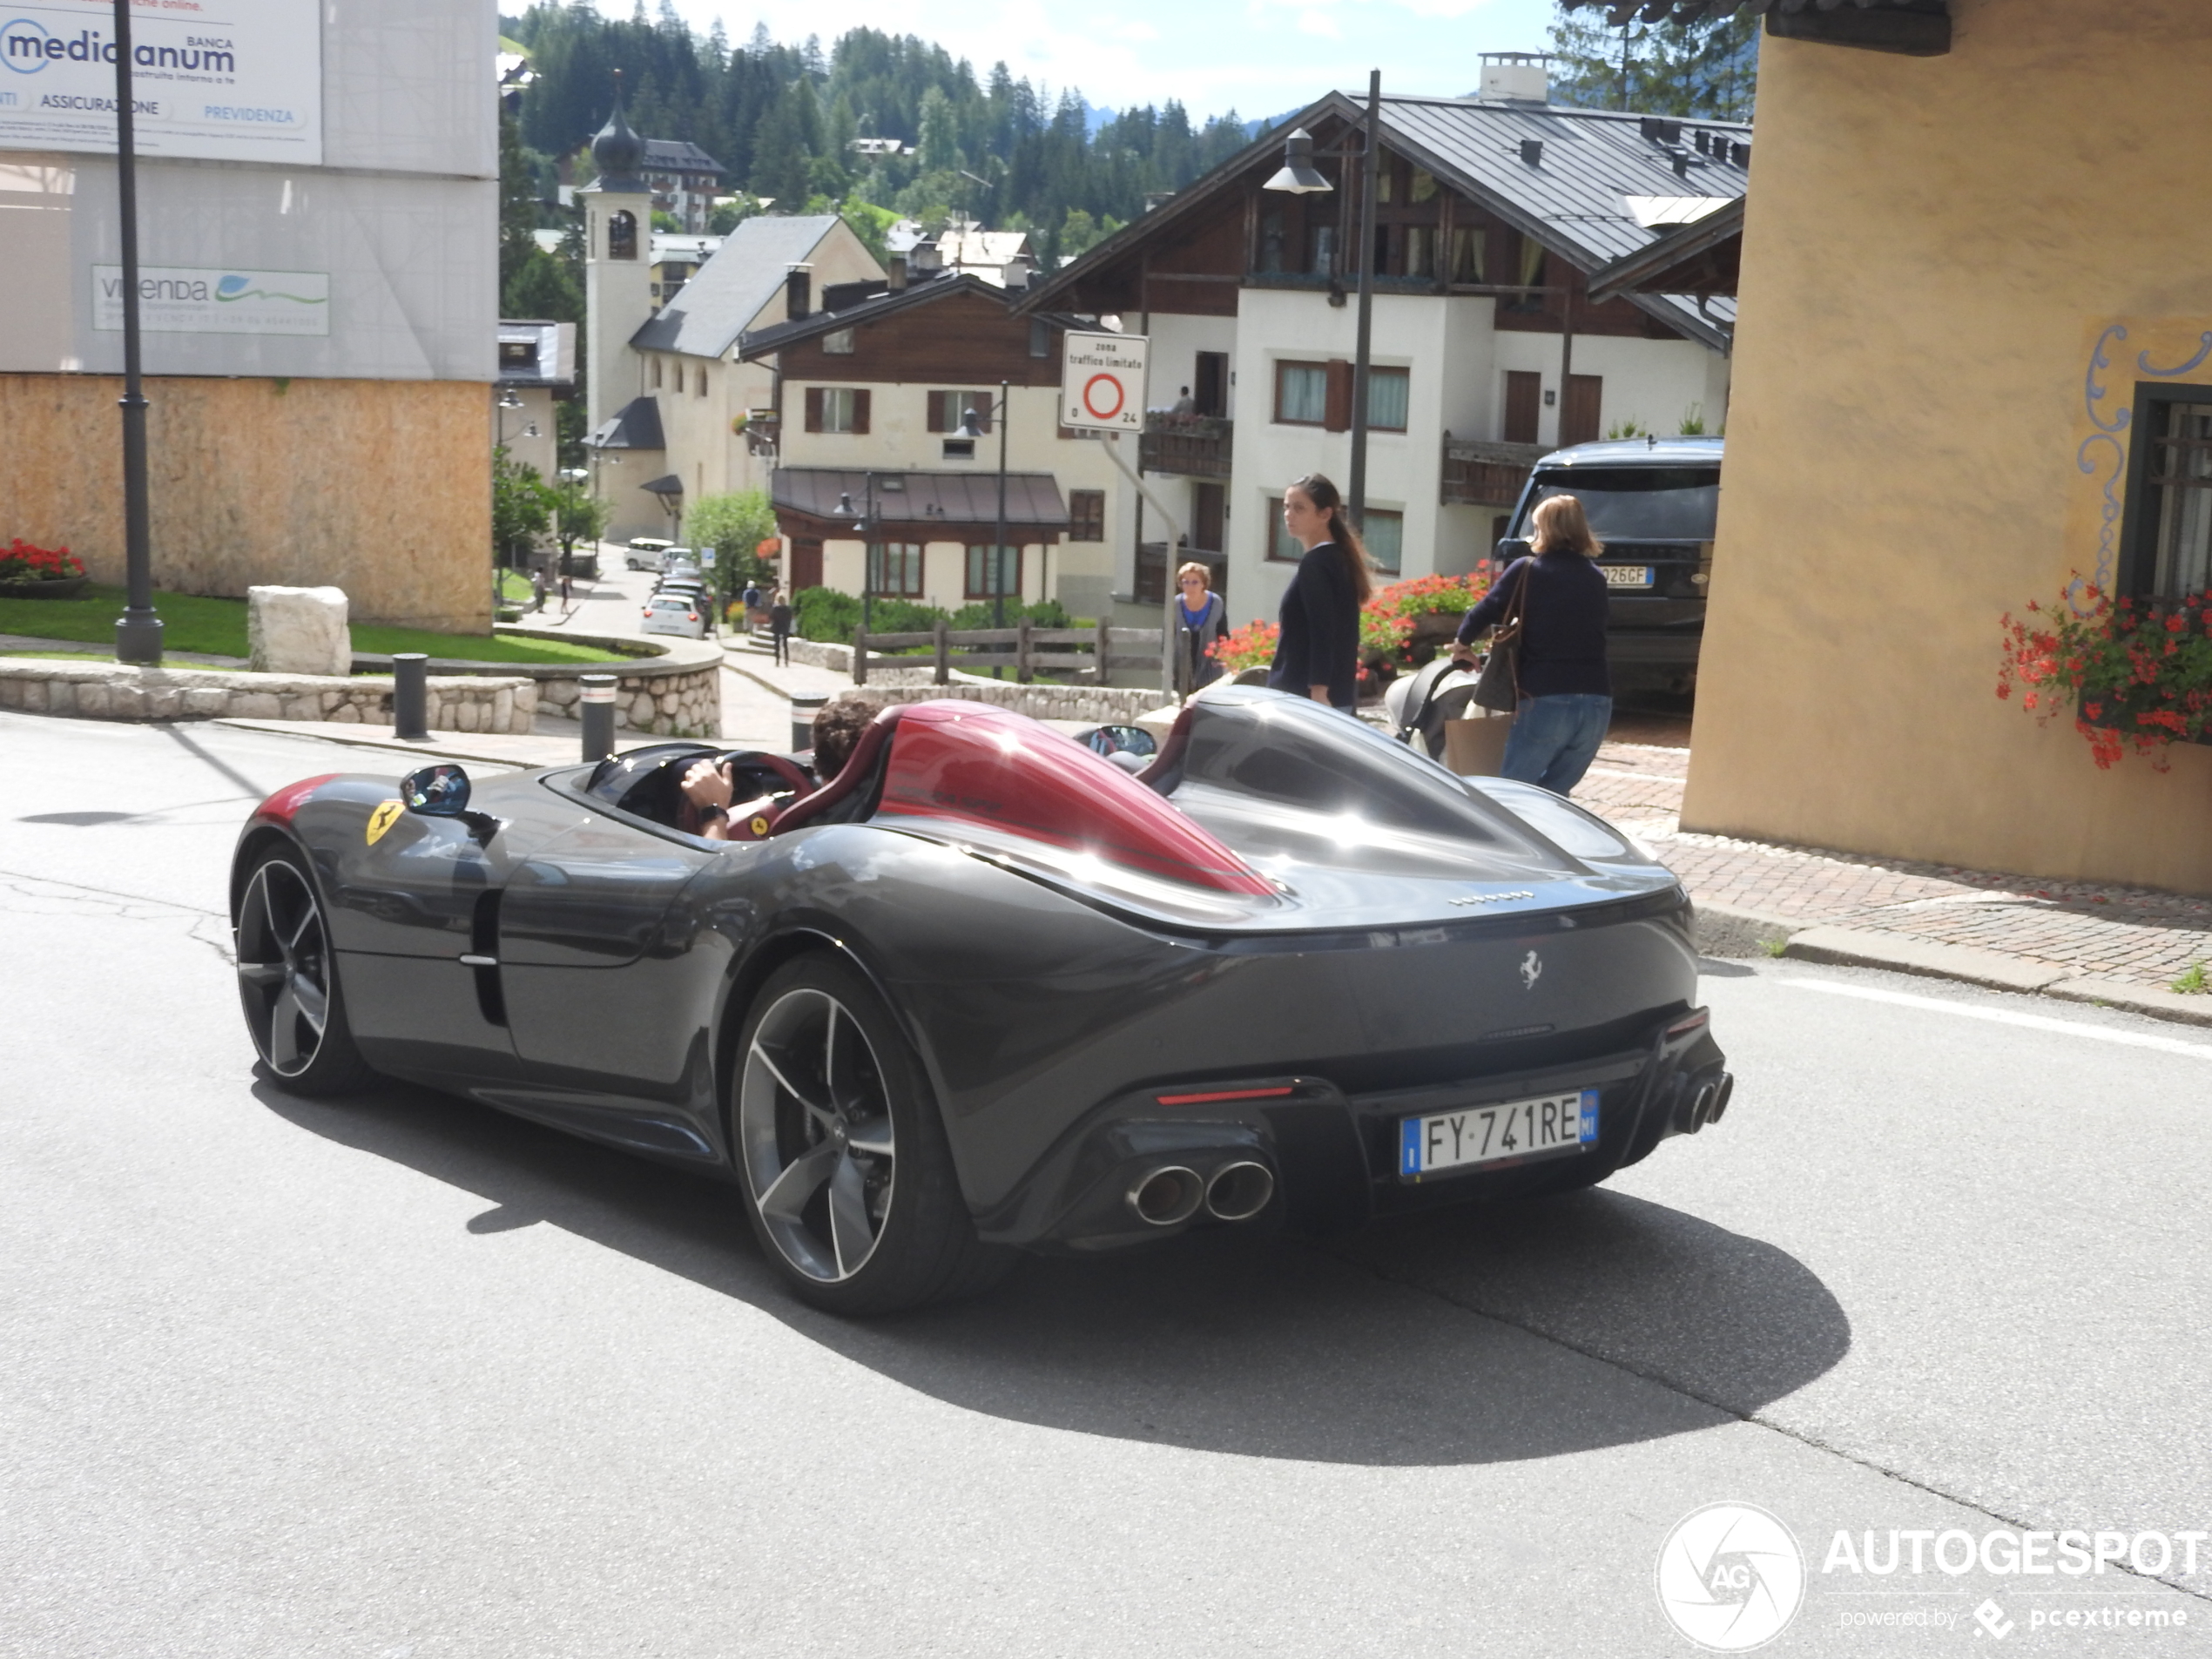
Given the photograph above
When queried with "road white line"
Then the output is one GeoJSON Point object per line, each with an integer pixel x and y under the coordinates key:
{"type": "Point", "coordinates": [2007, 1016]}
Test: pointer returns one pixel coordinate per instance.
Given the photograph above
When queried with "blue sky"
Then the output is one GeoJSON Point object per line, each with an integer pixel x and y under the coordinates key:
{"type": "Point", "coordinates": [1260, 56]}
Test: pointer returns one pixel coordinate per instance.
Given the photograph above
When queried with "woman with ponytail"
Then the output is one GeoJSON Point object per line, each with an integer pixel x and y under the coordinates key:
{"type": "Point", "coordinates": [1318, 653]}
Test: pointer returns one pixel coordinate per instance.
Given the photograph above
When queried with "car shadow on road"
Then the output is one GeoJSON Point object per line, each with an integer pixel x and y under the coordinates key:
{"type": "Point", "coordinates": [1462, 1337]}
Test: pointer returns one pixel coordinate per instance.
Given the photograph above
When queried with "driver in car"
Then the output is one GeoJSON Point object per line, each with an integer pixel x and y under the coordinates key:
{"type": "Point", "coordinates": [710, 787]}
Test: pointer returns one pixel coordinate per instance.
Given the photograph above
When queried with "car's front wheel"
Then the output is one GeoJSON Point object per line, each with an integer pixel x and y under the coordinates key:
{"type": "Point", "coordinates": [287, 980]}
{"type": "Point", "coordinates": [848, 1179]}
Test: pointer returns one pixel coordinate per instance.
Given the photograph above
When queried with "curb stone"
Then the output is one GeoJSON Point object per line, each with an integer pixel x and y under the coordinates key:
{"type": "Point", "coordinates": [1729, 930]}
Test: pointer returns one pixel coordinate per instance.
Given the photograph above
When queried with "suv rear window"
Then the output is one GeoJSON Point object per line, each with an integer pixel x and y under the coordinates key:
{"type": "Point", "coordinates": [1637, 503]}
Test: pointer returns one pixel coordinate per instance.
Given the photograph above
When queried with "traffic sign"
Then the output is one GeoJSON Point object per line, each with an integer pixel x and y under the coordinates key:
{"type": "Point", "coordinates": [1102, 382]}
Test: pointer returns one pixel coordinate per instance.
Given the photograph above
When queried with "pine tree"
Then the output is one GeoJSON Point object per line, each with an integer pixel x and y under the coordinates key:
{"type": "Point", "coordinates": [1707, 70]}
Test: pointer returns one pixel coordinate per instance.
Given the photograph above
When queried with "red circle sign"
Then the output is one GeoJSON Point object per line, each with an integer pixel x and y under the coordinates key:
{"type": "Point", "coordinates": [1091, 407]}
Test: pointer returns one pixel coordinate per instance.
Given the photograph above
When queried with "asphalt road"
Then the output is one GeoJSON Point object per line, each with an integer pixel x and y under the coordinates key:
{"type": "Point", "coordinates": [399, 1377]}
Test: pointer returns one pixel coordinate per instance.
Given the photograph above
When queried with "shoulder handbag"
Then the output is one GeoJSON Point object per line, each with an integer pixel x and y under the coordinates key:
{"type": "Point", "coordinates": [1499, 687]}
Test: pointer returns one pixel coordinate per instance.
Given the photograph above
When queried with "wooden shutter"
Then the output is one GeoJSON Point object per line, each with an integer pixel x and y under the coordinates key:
{"type": "Point", "coordinates": [814, 408]}
{"type": "Point", "coordinates": [1580, 415]}
{"type": "Point", "coordinates": [860, 411]}
{"type": "Point", "coordinates": [938, 401]}
{"type": "Point", "coordinates": [1337, 406]}
{"type": "Point", "coordinates": [1524, 404]}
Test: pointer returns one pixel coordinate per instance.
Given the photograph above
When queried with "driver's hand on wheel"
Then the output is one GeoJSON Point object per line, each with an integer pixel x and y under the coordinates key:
{"type": "Point", "coordinates": [707, 785]}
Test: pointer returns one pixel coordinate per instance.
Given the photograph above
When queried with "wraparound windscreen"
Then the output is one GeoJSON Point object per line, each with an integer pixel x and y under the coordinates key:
{"type": "Point", "coordinates": [232, 80]}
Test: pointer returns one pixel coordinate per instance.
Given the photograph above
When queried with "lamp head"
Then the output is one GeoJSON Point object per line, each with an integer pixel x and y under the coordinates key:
{"type": "Point", "coordinates": [1298, 176]}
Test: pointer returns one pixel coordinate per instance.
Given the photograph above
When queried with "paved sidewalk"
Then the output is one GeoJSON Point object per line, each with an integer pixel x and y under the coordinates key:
{"type": "Point", "coordinates": [2081, 940]}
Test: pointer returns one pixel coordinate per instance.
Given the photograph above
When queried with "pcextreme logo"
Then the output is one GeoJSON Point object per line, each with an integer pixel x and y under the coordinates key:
{"type": "Point", "coordinates": [1730, 1577]}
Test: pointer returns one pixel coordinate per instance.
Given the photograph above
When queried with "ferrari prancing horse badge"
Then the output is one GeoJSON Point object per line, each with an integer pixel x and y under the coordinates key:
{"type": "Point", "coordinates": [386, 814]}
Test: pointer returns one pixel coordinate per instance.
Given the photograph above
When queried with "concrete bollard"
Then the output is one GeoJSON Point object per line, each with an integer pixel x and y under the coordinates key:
{"type": "Point", "coordinates": [410, 694]}
{"type": "Point", "coordinates": [599, 711]}
{"type": "Point", "coordinates": [803, 710]}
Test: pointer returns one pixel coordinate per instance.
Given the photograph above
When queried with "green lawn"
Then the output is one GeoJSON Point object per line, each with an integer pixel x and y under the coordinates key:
{"type": "Point", "coordinates": [218, 626]}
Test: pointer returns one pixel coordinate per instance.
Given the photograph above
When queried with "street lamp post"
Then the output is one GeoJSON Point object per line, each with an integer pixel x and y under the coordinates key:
{"type": "Point", "coordinates": [1299, 177]}
{"type": "Point", "coordinates": [137, 631]}
{"type": "Point", "coordinates": [867, 527]}
{"type": "Point", "coordinates": [970, 432]}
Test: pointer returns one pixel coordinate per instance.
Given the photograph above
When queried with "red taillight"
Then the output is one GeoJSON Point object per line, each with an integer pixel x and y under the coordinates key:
{"type": "Point", "coordinates": [280, 806]}
{"type": "Point", "coordinates": [691, 616]}
{"type": "Point", "coordinates": [1690, 1021]}
{"type": "Point", "coordinates": [1226, 1094]}
{"type": "Point", "coordinates": [971, 763]}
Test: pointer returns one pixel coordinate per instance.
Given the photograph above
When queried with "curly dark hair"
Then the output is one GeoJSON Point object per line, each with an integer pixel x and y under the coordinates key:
{"type": "Point", "coordinates": [838, 726]}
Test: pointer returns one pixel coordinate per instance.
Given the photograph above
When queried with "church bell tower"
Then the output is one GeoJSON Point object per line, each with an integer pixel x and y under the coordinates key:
{"type": "Point", "coordinates": [617, 266]}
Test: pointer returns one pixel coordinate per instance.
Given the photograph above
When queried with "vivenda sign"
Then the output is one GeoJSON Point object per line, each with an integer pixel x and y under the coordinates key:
{"type": "Point", "coordinates": [179, 300]}
{"type": "Point", "coordinates": [227, 79]}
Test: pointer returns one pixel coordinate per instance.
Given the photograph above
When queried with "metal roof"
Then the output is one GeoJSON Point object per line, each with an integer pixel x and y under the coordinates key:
{"type": "Point", "coordinates": [637, 426]}
{"type": "Point", "coordinates": [1663, 262]}
{"type": "Point", "coordinates": [1573, 198]}
{"type": "Point", "coordinates": [725, 295]}
{"type": "Point", "coordinates": [677, 155]}
{"type": "Point", "coordinates": [1621, 11]}
{"type": "Point", "coordinates": [955, 500]}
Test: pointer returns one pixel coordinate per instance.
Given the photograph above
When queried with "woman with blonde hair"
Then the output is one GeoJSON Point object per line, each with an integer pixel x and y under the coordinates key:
{"type": "Point", "coordinates": [1565, 694]}
{"type": "Point", "coordinates": [1200, 619]}
{"type": "Point", "coordinates": [1317, 655]}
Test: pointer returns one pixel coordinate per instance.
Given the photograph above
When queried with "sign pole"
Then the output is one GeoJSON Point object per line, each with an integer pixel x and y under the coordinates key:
{"type": "Point", "coordinates": [137, 631]}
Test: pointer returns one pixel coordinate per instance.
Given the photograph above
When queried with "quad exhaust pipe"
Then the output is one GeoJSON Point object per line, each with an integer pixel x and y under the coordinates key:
{"type": "Point", "coordinates": [1239, 1192]}
{"type": "Point", "coordinates": [1172, 1194]}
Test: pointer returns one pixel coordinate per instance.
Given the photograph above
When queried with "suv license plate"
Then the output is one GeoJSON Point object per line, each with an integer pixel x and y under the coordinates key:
{"type": "Point", "coordinates": [1509, 1132]}
{"type": "Point", "coordinates": [1629, 576]}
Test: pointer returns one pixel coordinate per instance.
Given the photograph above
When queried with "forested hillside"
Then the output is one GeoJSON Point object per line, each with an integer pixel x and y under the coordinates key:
{"type": "Point", "coordinates": [781, 119]}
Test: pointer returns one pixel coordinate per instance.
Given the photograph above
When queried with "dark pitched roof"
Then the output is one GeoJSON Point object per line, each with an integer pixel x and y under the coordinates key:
{"type": "Point", "coordinates": [637, 426]}
{"type": "Point", "coordinates": [922, 291]}
{"type": "Point", "coordinates": [1699, 257]}
{"type": "Point", "coordinates": [1572, 199]}
{"type": "Point", "coordinates": [1916, 28]}
{"type": "Point", "coordinates": [728, 291]}
{"type": "Point", "coordinates": [950, 500]}
{"type": "Point", "coordinates": [677, 155]}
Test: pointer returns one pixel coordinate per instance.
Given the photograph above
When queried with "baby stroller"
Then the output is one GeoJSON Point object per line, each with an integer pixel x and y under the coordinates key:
{"type": "Point", "coordinates": [1418, 703]}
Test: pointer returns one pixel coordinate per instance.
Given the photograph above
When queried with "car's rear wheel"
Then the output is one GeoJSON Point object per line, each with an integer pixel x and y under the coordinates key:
{"type": "Point", "coordinates": [287, 981]}
{"type": "Point", "coordinates": [848, 1180]}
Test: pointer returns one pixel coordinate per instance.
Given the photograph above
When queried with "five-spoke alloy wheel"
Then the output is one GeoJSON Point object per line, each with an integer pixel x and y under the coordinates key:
{"type": "Point", "coordinates": [849, 1180]}
{"type": "Point", "coordinates": [287, 981]}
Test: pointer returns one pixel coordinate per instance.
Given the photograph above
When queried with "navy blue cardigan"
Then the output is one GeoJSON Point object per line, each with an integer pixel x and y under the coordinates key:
{"type": "Point", "coordinates": [1562, 647]}
{"type": "Point", "coordinates": [1320, 618]}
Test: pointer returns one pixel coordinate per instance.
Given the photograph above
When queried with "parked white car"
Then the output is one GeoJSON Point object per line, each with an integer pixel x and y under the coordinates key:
{"type": "Point", "coordinates": [645, 552]}
{"type": "Point", "coordinates": [672, 613]}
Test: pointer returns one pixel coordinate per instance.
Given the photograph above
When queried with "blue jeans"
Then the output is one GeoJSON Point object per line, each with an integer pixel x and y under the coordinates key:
{"type": "Point", "coordinates": [1554, 739]}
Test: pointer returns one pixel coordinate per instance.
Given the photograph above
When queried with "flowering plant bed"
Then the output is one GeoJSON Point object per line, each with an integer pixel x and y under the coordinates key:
{"type": "Point", "coordinates": [1402, 618]}
{"type": "Point", "coordinates": [1249, 647]}
{"type": "Point", "coordinates": [29, 572]}
{"type": "Point", "coordinates": [2132, 672]}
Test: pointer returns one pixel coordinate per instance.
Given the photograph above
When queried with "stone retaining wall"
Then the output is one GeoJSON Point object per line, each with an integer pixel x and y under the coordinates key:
{"type": "Point", "coordinates": [1107, 705]}
{"type": "Point", "coordinates": [112, 691]}
{"type": "Point", "coordinates": [676, 692]}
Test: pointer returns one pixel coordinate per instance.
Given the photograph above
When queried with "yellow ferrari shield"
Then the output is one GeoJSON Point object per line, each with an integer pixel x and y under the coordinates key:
{"type": "Point", "coordinates": [386, 814]}
{"type": "Point", "coordinates": [759, 827]}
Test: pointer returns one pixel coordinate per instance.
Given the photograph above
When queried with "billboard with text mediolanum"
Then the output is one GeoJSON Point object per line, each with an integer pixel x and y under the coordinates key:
{"type": "Point", "coordinates": [238, 80]}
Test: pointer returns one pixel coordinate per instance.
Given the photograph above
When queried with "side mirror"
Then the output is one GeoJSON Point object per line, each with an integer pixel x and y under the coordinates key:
{"type": "Point", "coordinates": [1511, 548]}
{"type": "Point", "coordinates": [436, 791]}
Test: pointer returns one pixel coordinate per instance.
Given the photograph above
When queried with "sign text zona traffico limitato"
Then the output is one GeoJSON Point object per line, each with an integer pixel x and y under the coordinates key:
{"type": "Point", "coordinates": [1102, 382]}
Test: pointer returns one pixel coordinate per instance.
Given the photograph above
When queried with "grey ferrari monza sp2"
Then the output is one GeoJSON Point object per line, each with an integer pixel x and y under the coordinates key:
{"type": "Point", "coordinates": [987, 991]}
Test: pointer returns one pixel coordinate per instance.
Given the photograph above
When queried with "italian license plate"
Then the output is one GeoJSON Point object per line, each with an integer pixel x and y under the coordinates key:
{"type": "Point", "coordinates": [1629, 576]}
{"type": "Point", "coordinates": [1505, 1133]}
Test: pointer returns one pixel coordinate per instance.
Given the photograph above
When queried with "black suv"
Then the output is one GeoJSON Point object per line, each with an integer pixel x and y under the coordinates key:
{"type": "Point", "coordinates": [1652, 503]}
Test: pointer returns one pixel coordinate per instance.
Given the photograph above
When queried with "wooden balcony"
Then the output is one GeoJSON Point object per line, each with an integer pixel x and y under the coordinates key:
{"type": "Point", "coordinates": [1192, 446]}
{"type": "Point", "coordinates": [1487, 474]}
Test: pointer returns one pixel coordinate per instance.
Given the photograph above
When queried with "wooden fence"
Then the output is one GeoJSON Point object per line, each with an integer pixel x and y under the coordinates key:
{"type": "Point", "coordinates": [1089, 654]}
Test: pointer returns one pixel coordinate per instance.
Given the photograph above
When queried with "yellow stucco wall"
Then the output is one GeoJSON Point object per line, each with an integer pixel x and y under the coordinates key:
{"type": "Point", "coordinates": [1934, 248]}
{"type": "Point", "coordinates": [381, 488]}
